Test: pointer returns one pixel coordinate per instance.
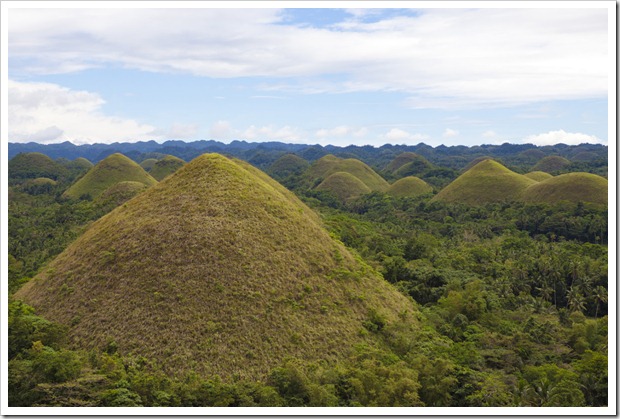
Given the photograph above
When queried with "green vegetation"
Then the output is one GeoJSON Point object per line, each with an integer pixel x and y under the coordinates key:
{"type": "Point", "coordinates": [287, 165]}
{"type": "Point", "coordinates": [409, 186]}
{"type": "Point", "coordinates": [330, 164]}
{"type": "Point", "coordinates": [343, 186]}
{"type": "Point", "coordinates": [165, 167]}
{"type": "Point", "coordinates": [113, 169]}
{"type": "Point", "coordinates": [35, 165]}
{"type": "Point", "coordinates": [408, 164]}
{"type": "Point", "coordinates": [488, 181]}
{"type": "Point", "coordinates": [218, 287]}
{"type": "Point", "coordinates": [574, 187]}
{"type": "Point", "coordinates": [148, 164]}
{"type": "Point", "coordinates": [478, 160]}
{"type": "Point", "coordinates": [538, 176]}
{"type": "Point", "coordinates": [551, 164]}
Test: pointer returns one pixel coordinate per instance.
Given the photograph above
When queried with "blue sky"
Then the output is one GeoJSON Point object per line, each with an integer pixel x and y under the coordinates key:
{"type": "Point", "coordinates": [328, 76]}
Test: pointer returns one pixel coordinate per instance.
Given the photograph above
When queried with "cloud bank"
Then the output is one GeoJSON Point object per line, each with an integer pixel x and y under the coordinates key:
{"type": "Point", "coordinates": [561, 136]}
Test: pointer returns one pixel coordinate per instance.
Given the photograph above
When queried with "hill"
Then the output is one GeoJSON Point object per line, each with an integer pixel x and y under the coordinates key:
{"type": "Point", "coordinates": [148, 164]}
{"type": "Point", "coordinates": [551, 164]}
{"type": "Point", "coordinates": [488, 181]}
{"type": "Point", "coordinates": [476, 161]}
{"type": "Point", "coordinates": [165, 167]}
{"type": "Point", "coordinates": [109, 171]}
{"type": "Point", "coordinates": [287, 165]}
{"type": "Point", "coordinates": [343, 186]}
{"type": "Point", "coordinates": [330, 164]}
{"type": "Point", "coordinates": [538, 176]}
{"type": "Point", "coordinates": [409, 186]}
{"type": "Point", "coordinates": [35, 165]}
{"type": "Point", "coordinates": [119, 193]}
{"type": "Point", "coordinates": [220, 270]}
{"type": "Point", "coordinates": [574, 187]}
{"type": "Point", "coordinates": [408, 163]}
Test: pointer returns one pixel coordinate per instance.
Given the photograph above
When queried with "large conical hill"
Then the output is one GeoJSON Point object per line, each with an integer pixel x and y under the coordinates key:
{"type": "Point", "coordinates": [218, 269]}
{"type": "Point", "coordinates": [109, 171]}
{"type": "Point", "coordinates": [327, 165]}
{"type": "Point", "coordinates": [573, 187]}
{"type": "Point", "coordinates": [35, 165]}
{"type": "Point", "coordinates": [487, 181]}
{"type": "Point", "coordinates": [287, 165]}
{"type": "Point", "coordinates": [551, 164]}
{"type": "Point", "coordinates": [343, 186]}
{"type": "Point", "coordinates": [409, 186]}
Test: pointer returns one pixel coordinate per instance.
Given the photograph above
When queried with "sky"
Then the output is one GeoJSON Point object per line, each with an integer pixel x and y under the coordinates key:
{"type": "Point", "coordinates": [452, 76]}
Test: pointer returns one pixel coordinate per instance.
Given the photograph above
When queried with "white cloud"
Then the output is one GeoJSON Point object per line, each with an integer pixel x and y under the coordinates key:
{"type": "Point", "coordinates": [396, 135]}
{"type": "Point", "coordinates": [223, 130]}
{"type": "Point", "coordinates": [443, 58]}
{"type": "Point", "coordinates": [489, 134]}
{"type": "Point", "coordinates": [178, 131]}
{"type": "Point", "coordinates": [561, 136]}
{"type": "Point", "coordinates": [449, 132]}
{"type": "Point", "coordinates": [46, 112]}
{"type": "Point", "coordinates": [341, 131]}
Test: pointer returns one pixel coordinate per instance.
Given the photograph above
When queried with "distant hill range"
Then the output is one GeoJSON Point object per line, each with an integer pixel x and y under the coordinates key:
{"type": "Point", "coordinates": [264, 154]}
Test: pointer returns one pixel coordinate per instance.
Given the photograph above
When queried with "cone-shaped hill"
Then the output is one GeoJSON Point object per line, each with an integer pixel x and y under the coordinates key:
{"type": "Point", "coordinates": [287, 165]}
{"type": "Point", "coordinates": [327, 165]}
{"type": "Point", "coordinates": [343, 186]}
{"type": "Point", "coordinates": [148, 164]}
{"type": "Point", "coordinates": [573, 187]}
{"type": "Point", "coordinates": [35, 165]}
{"type": "Point", "coordinates": [488, 181]}
{"type": "Point", "coordinates": [409, 186]}
{"type": "Point", "coordinates": [109, 171]}
{"type": "Point", "coordinates": [217, 269]}
{"type": "Point", "coordinates": [165, 167]}
{"type": "Point", "coordinates": [408, 162]}
{"type": "Point", "coordinates": [476, 161]}
{"type": "Point", "coordinates": [119, 193]}
{"type": "Point", "coordinates": [538, 176]}
{"type": "Point", "coordinates": [550, 164]}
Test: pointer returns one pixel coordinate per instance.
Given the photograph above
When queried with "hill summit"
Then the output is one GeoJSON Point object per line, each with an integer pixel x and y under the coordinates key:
{"type": "Point", "coordinates": [109, 171]}
{"type": "Point", "coordinates": [330, 164]}
{"type": "Point", "coordinates": [217, 269]}
{"type": "Point", "coordinates": [487, 181]}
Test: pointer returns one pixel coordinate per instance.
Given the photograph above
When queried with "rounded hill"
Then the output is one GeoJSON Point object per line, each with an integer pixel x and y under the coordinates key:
{"type": "Point", "coordinates": [287, 165]}
{"type": "Point", "coordinates": [488, 181]}
{"type": "Point", "coordinates": [573, 187]}
{"type": "Point", "coordinates": [409, 163]}
{"type": "Point", "coordinates": [109, 171]}
{"type": "Point", "coordinates": [148, 164]}
{"type": "Point", "coordinates": [343, 186]}
{"type": "Point", "coordinates": [165, 167]}
{"type": "Point", "coordinates": [330, 164]}
{"type": "Point", "coordinates": [551, 164]}
{"type": "Point", "coordinates": [409, 186]}
{"type": "Point", "coordinates": [120, 192]}
{"type": "Point", "coordinates": [218, 269]}
{"type": "Point", "coordinates": [538, 176]}
{"type": "Point", "coordinates": [35, 165]}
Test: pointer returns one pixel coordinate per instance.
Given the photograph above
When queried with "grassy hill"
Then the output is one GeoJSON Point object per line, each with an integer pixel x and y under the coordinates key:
{"type": "Point", "coordinates": [148, 164]}
{"type": "Point", "coordinates": [35, 165]}
{"type": "Point", "coordinates": [409, 186]}
{"type": "Point", "coordinates": [550, 164]}
{"type": "Point", "coordinates": [538, 176]}
{"type": "Point", "coordinates": [287, 165]}
{"type": "Point", "coordinates": [120, 192]}
{"type": "Point", "coordinates": [343, 186]}
{"type": "Point", "coordinates": [331, 164]}
{"type": "Point", "coordinates": [408, 163]}
{"type": "Point", "coordinates": [218, 269]}
{"type": "Point", "coordinates": [109, 171]}
{"type": "Point", "coordinates": [572, 187]}
{"type": "Point", "coordinates": [488, 181]}
{"type": "Point", "coordinates": [476, 161]}
{"type": "Point", "coordinates": [165, 167]}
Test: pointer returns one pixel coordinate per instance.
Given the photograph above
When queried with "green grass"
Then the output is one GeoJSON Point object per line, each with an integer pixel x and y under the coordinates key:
{"type": "Point", "coordinates": [412, 160]}
{"type": "Point", "coordinates": [287, 165]}
{"type": "Point", "coordinates": [165, 167]}
{"type": "Point", "coordinates": [550, 164]}
{"type": "Point", "coordinates": [343, 186]}
{"type": "Point", "coordinates": [476, 161]}
{"type": "Point", "coordinates": [409, 186]}
{"type": "Point", "coordinates": [35, 165]}
{"type": "Point", "coordinates": [488, 181]}
{"type": "Point", "coordinates": [120, 192]}
{"type": "Point", "coordinates": [574, 187]}
{"type": "Point", "coordinates": [109, 171]}
{"type": "Point", "coordinates": [327, 165]}
{"type": "Point", "coordinates": [538, 176]}
{"type": "Point", "coordinates": [218, 269]}
{"type": "Point", "coordinates": [148, 164]}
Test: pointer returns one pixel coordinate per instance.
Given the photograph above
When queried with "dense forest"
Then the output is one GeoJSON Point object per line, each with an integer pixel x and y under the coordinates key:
{"type": "Point", "coordinates": [510, 295]}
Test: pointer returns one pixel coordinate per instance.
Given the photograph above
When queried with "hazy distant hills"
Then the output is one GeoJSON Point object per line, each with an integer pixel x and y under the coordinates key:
{"type": "Point", "coordinates": [262, 155]}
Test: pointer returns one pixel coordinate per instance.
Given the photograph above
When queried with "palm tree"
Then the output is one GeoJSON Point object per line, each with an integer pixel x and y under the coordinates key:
{"type": "Point", "coordinates": [576, 300]}
{"type": "Point", "coordinates": [600, 296]}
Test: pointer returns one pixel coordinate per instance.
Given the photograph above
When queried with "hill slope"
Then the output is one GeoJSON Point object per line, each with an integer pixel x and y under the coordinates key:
{"type": "Point", "coordinates": [538, 176]}
{"type": "Point", "coordinates": [344, 186]}
{"type": "Point", "coordinates": [409, 186]}
{"type": "Point", "coordinates": [330, 164]}
{"type": "Point", "coordinates": [488, 181]}
{"type": "Point", "coordinates": [287, 165]}
{"type": "Point", "coordinates": [217, 269]}
{"type": "Point", "coordinates": [550, 164]}
{"type": "Point", "coordinates": [109, 171]}
{"type": "Point", "coordinates": [165, 167]}
{"type": "Point", "coordinates": [414, 163]}
{"type": "Point", "coordinates": [35, 165]}
{"type": "Point", "coordinates": [572, 187]}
